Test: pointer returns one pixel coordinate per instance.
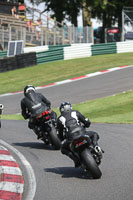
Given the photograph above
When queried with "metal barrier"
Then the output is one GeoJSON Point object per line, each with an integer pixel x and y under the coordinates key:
{"type": "Point", "coordinates": [36, 49]}
{"type": "Point", "coordinates": [61, 52]}
{"type": "Point", "coordinates": [123, 47]}
{"type": "Point", "coordinates": [77, 51]}
{"type": "Point", "coordinates": [50, 55]}
{"type": "Point", "coordinates": [106, 48]}
{"type": "Point", "coordinates": [3, 54]}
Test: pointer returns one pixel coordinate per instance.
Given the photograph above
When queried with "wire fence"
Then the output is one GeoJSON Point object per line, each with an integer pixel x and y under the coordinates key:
{"type": "Point", "coordinates": [48, 36]}
{"type": "Point", "coordinates": [51, 32]}
{"type": "Point", "coordinates": [127, 23]}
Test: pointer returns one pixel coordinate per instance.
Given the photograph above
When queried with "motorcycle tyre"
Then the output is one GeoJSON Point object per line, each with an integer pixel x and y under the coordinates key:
{"type": "Point", "coordinates": [54, 138]}
{"type": "Point", "coordinates": [90, 164]}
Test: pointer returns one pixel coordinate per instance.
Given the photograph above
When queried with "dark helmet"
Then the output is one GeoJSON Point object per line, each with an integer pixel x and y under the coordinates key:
{"type": "Point", "coordinates": [65, 106]}
{"type": "Point", "coordinates": [28, 88]}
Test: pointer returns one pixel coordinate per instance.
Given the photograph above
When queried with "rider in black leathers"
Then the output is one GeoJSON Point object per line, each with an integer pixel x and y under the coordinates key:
{"type": "Point", "coordinates": [66, 123]}
{"type": "Point", "coordinates": [32, 104]}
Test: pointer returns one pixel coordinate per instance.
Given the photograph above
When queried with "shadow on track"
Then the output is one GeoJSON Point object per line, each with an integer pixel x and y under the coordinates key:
{"type": "Point", "coordinates": [35, 145]}
{"type": "Point", "coordinates": [69, 172]}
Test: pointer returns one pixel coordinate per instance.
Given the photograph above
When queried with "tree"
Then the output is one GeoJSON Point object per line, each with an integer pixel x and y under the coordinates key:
{"type": "Point", "coordinates": [57, 7]}
{"type": "Point", "coordinates": [72, 10]}
{"type": "Point", "coordinates": [108, 11]}
{"type": "Point", "coordinates": [86, 14]}
{"type": "Point", "coordinates": [64, 9]}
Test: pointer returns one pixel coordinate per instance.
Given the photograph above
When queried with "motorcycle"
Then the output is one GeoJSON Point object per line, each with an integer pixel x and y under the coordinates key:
{"type": "Point", "coordinates": [88, 155]}
{"type": "Point", "coordinates": [1, 109]}
{"type": "Point", "coordinates": [47, 127]}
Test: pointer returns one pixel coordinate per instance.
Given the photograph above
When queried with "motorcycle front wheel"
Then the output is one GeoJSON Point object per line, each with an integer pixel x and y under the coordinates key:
{"type": "Point", "coordinates": [90, 164]}
{"type": "Point", "coordinates": [54, 138]}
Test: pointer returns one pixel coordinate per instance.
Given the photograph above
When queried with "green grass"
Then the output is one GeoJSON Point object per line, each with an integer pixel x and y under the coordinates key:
{"type": "Point", "coordinates": [43, 74]}
{"type": "Point", "coordinates": [12, 117]}
{"type": "Point", "coordinates": [112, 109]}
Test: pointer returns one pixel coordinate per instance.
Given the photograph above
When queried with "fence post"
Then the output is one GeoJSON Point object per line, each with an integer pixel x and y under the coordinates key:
{"type": "Point", "coordinates": [73, 34]}
{"type": "Point", "coordinates": [3, 37]}
{"type": "Point", "coordinates": [63, 32]}
{"type": "Point", "coordinates": [41, 37]}
{"type": "Point", "coordinates": [54, 31]}
{"type": "Point", "coordinates": [10, 36]}
{"type": "Point", "coordinates": [92, 35]}
{"type": "Point", "coordinates": [122, 37]}
{"type": "Point", "coordinates": [46, 38]}
{"type": "Point", "coordinates": [105, 35]}
{"type": "Point", "coordinates": [24, 35]}
{"type": "Point", "coordinates": [70, 34]}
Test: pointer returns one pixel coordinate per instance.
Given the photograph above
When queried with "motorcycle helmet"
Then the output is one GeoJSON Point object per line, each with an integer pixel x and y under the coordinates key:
{"type": "Point", "coordinates": [65, 106]}
{"type": "Point", "coordinates": [28, 88]}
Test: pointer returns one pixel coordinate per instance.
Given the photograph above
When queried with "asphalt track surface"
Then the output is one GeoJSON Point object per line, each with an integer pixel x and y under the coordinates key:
{"type": "Point", "coordinates": [55, 175]}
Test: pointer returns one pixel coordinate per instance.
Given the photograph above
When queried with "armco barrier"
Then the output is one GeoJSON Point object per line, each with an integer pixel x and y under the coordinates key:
{"type": "Point", "coordinates": [3, 54]}
{"type": "Point", "coordinates": [106, 48]}
{"type": "Point", "coordinates": [46, 53]}
{"type": "Point", "coordinates": [50, 55]}
{"type": "Point", "coordinates": [123, 47]}
{"type": "Point", "coordinates": [36, 49]}
{"type": "Point", "coordinates": [51, 47]}
{"type": "Point", "coordinates": [77, 51]}
{"type": "Point", "coordinates": [42, 48]}
{"type": "Point", "coordinates": [17, 62]}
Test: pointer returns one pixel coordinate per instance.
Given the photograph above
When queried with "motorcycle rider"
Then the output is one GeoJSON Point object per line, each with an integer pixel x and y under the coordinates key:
{"type": "Point", "coordinates": [67, 122]}
{"type": "Point", "coordinates": [32, 105]}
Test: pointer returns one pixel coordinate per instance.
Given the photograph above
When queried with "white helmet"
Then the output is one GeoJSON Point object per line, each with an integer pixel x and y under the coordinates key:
{"type": "Point", "coordinates": [65, 106]}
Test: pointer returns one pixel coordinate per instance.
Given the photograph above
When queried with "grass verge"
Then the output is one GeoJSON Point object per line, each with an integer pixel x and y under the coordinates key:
{"type": "Point", "coordinates": [112, 109]}
{"type": "Point", "coordinates": [46, 73]}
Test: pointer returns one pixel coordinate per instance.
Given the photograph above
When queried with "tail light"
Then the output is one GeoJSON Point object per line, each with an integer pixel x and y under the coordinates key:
{"type": "Point", "coordinates": [79, 142]}
{"type": "Point", "coordinates": [45, 113]}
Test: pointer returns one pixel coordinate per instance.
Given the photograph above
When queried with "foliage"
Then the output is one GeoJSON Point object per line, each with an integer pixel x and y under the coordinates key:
{"type": "Point", "coordinates": [109, 11]}
{"type": "Point", "coordinates": [36, 1]}
{"type": "Point", "coordinates": [64, 9]}
{"type": "Point", "coordinates": [57, 7]}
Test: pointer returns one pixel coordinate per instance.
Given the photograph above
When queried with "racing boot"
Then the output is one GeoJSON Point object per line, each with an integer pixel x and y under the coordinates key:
{"type": "Point", "coordinates": [39, 135]}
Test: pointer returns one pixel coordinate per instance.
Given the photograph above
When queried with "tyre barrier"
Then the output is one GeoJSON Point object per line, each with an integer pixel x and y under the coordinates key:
{"type": "Point", "coordinates": [17, 62]}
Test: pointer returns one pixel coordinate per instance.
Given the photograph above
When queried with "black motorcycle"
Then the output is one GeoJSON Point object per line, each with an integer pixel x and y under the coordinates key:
{"type": "Point", "coordinates": [48, 130]}
{"type": "Point", "coordinates": [1, 109]}
{"type": "Point", "coordinates": [89, 156]}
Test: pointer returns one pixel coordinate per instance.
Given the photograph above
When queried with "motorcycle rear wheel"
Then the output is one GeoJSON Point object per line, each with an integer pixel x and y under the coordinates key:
{"type": "Point", "coordinates": [90, 164]}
